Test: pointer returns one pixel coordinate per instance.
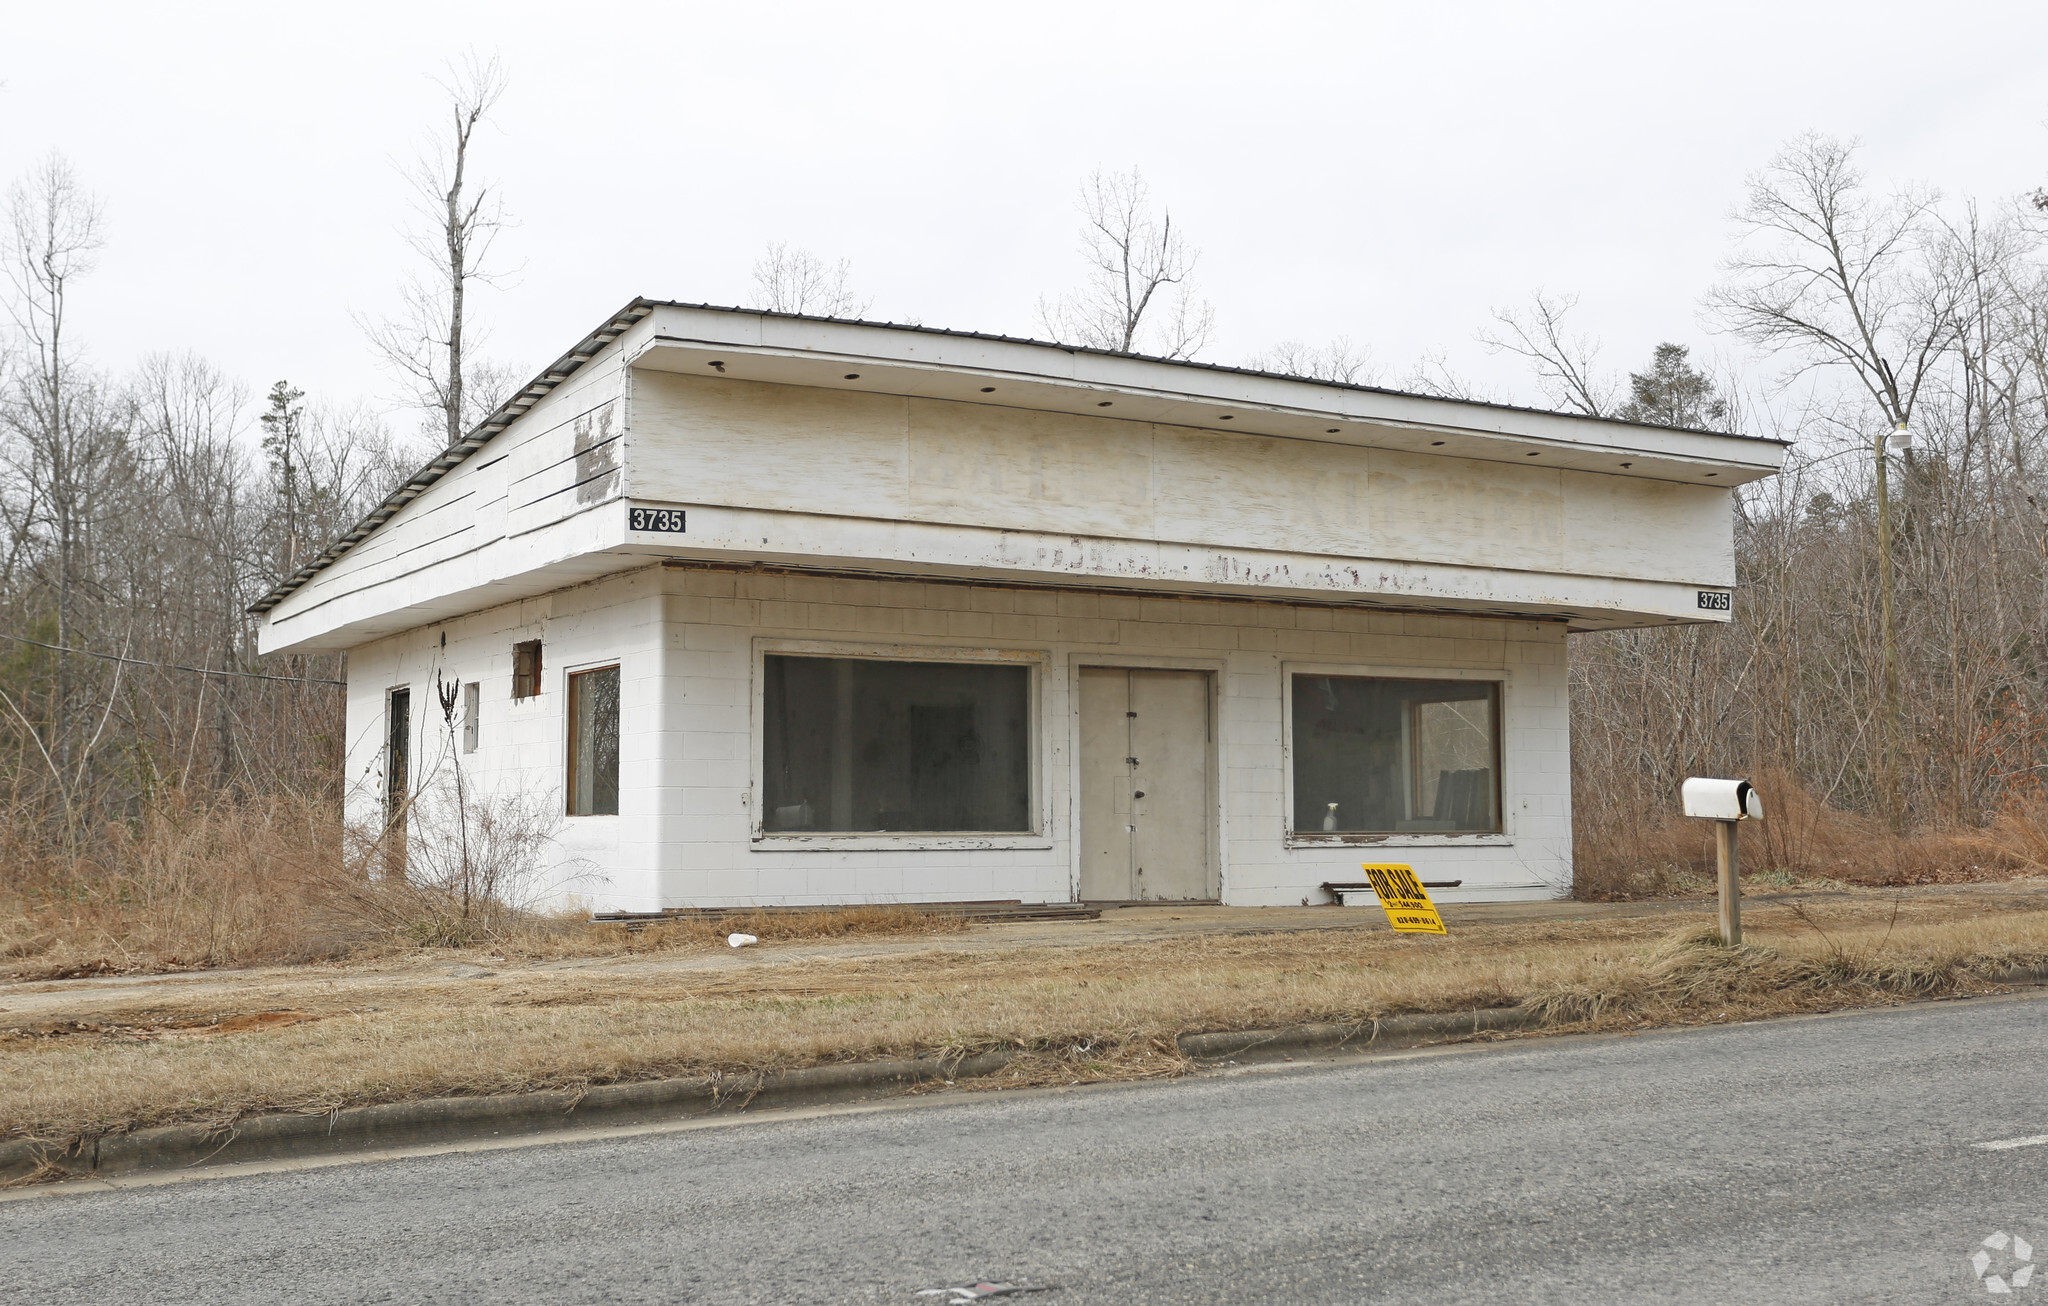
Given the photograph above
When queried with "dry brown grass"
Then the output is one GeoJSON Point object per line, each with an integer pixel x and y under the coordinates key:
{"type": "Point", "coordinates": [278, 880]}
{"type": "Point", "coordinates": [251, 881]}
{"type": "Point", "coordinates": [541, 938]}
{"type": "Point", "coordinates": [1080, 1012]}
{"type": "Point", "coordinates": [238, 883]}
{"type": "Point", "coordinates": [1801, 842]}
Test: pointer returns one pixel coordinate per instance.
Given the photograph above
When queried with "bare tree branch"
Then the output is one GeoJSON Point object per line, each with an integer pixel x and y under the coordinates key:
{"type": "Point", "coordinates": [1563, 362]}
{"type": "Point", "coordinates": [1822, 278]}
{"type": "Point", "coordinates": [790, 280]}
{"type": "Point", "coordinates": [1339, 361]}
{"type": "Point", "coordinates": [431, 342]}
{"type": "Point", "coordinates": [1136, 296]}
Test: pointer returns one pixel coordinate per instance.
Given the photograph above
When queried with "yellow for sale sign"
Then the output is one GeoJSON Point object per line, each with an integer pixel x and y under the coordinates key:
{"type": "Point", "coordinates": [1405, 901]}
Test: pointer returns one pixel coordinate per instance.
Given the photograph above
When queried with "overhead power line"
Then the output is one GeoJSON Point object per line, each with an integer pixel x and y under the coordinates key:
{"type": "Point", "coordinates": [173, 666]}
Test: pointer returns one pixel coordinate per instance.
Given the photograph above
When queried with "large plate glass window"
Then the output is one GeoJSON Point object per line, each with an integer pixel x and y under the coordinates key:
{"type": "Point", "coordinates": [594, 742]}
{"type": "Point", "coordinates": [860, 745]}
{"type": "Point", "coordinates": [1376, 756]}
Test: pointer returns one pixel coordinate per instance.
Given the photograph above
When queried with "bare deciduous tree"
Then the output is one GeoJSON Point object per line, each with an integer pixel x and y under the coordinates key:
{"type": "Point", "coordinates": [1563, 362]}
{"type": "Point", "coordinates": [1823, 277]}
{"type": "Point", "coordinates": [206, 551]}
{"type": "Point", "coordinates": [432, 344]}
{"type": "Point", "coordinates": [788, 280]}
{"type": "Point", "coordinates": [66, 444]}
{"type": "Point", "coordinates": [1434, 375]}
{"type": "Point", "coordinates": [1338, 361]}
{"type": "Point", "coordinates": [1136, 298]}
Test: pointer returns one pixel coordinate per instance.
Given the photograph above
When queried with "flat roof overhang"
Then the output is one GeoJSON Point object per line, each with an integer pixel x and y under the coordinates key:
{"type": "Point", "coordinates": [916, 361]}
{"type": "Point", "coordinates": [869, 359]}
{"type": "Point", "coordinates": [599, 543]}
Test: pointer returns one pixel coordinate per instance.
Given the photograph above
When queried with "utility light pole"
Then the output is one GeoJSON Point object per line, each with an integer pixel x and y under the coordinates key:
{"type": "Point", "coordinates": [1900, 440]}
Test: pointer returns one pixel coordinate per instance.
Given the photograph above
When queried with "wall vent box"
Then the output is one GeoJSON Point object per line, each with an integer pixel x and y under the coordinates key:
{"type": "Point", "coordinates": [1722, 800]}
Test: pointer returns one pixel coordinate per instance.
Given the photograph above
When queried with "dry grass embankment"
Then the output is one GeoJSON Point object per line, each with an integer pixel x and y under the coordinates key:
{"type": "Point", "coordinates": [278, 881]}
{"type": "Point", "coordinates": [1622, 854]}
{"type": "Point", "coordinates": [339, 1037]}
{"type": "Point", "coordinates": [234, 881]}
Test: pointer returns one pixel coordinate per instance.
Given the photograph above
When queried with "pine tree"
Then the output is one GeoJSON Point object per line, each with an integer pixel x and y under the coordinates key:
{"type": "Point", "coordinates": [281, 436]}
{"type": "Point", "coordinates": [1673, 393]}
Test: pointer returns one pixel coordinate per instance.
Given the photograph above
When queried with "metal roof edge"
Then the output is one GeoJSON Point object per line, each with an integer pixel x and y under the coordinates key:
{"type": "Point", "coordinates": [1224, 368]}
{"type": "Point", "coordinates": [458, 453]}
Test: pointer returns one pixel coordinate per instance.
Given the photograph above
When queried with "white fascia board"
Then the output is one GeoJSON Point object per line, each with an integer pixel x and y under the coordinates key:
{"type": "Point", "coordinates": [596, 543]}
{"type": "Point", "coordinates": [742, 537]}
{"type": "Point", "coordinates": [873, 359]}
{"type": "Point", "coordinates": [334, 619]}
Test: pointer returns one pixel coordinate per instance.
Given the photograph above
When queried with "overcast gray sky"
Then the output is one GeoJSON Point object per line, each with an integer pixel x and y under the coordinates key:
{"type": "Point", "coordinates": [1388, 172]}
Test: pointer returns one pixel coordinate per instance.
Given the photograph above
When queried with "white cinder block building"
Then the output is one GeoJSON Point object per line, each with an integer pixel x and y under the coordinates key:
{"type": "Point", "coordinates": [780, 610]}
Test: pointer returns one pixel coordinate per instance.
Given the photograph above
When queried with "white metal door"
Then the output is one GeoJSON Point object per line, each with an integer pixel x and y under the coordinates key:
{"type": "Point", "coordinates": [1146, 789]}
{"type": "Point", "coordinates": [1105, 785]}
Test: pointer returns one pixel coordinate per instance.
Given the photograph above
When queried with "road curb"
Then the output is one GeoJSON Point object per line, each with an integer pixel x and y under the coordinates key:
{"type": "Point", "coordinates": [1399, 1031]}
{"type": "Point", "coordinates": [462, 1119]}
{"type": "Point", "coordinates": [2019, 975]}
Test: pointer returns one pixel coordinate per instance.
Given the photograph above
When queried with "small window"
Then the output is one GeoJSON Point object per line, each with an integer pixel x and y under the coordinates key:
{"type": "Point", "coordinates": [397, 778]}
{"type": "Point", "coordinates": [594, 743]}
{"type": "Point", "coordinates": [864, 745]}
{"type": "Point", "coordinates": [1391, 756]}
{"type": "Point", "coordinates": [472, 708]}
{"type": "Point", "coordinates": [397, 754]}
{"type": "Point", "coordinates": [526, 669]}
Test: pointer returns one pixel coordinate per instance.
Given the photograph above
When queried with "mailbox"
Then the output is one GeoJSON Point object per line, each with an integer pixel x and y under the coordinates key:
{"type": "Point", "coordinates": [1727, 803]}
{"type": "Point", "coordinates": [1722, 800]}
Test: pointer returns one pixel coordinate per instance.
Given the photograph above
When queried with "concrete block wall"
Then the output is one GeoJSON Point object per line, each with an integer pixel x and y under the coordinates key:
{"type": "Point", "coordinates": [522, 745]}
{"type": "Point", "coordinates": [687, 644]}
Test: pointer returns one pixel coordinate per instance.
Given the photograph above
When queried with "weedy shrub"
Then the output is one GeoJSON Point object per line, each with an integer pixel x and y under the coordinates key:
{"type": "Point", "coordinates": [1801, 843]}
{"type": "Point", "coordinates": [249, 880]}
{"type": "Point", "coordinates": [280, 879]}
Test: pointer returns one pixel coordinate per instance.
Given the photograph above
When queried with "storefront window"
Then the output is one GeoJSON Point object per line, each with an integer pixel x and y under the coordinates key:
{"type": "Point", "coordinates": [1376, 756]}
{"type": "Point", "coordinates": [865, 745]}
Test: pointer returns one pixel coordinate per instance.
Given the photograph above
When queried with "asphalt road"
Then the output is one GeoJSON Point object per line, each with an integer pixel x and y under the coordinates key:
{"type": "Point", "coordinates": [1797, 1161]}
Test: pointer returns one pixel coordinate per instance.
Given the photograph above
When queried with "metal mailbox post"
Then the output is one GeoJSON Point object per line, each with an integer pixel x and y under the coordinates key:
{"type": "Point", "coordinates": [1727, 803]}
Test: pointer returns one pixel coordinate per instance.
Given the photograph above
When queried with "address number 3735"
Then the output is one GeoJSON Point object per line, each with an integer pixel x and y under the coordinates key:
{"type": "Point", "coordinates": [655, 519]}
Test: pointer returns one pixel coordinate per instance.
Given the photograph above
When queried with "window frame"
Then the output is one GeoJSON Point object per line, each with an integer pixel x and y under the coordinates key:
{"type": "Point", "coordinates": [1505, 778]}
{"type": "Point", "coordinates": [540, 668]}
{"type": "Point", "coordinates": [397, 793]}
{"type": "Point", "coordinates": [1037, 662]}
{"type": "Point", "coordinates": [569, 674]}
{"type": "Point", "coordinates": [394, 834]}
{"type": "Point", "coordinates": [472, 716]}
